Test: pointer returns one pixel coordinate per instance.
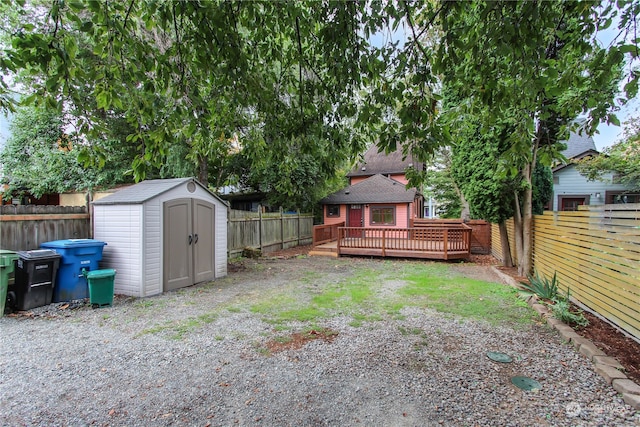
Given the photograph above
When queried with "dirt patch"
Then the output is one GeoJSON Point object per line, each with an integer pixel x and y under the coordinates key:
{"type": "Point", "coordinates": [614, 343]}
{"type": "Point", "coordinates": [298, 340]}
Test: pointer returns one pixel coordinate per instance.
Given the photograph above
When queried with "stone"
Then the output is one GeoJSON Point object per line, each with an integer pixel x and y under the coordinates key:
{"type": "Point", "coordinates": [568, 334]}
{"type": "Point", "coordinates": [553, 322]}
{"type": "Point", "coordinates": [541, 309]}
{"type": "Point", "coordinates": [626, 386]}
{"type": "Point", "coordinates": [609, 373]}
{"type": "Point", "coordinates": [579, 342]}
{"type": "Point", "coordinates": [632, 400]}
{"type": "Point", "coordinates": [607, 360]}
{"type": "Point", "coordinates": [590, 350]}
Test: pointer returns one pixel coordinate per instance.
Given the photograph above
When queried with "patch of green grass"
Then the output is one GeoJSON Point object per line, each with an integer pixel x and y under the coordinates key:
{"type": "Point", "coordinates": [427, 285]}
{"type": "Point", "coordinates": [343, 298]}
{"type": "Point", "coordinates": [180, 328]}
{"type": "Point", "coordinates": [144, 303]}
{"type": "Point", "coordinates": [467, 298]}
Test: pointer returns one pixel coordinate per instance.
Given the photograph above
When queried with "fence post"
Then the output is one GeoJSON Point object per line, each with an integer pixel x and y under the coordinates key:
{"type": "Point", "coordinates": [260, 227]}
{"type": "Point", "coordinates": [281, 228]}
{"type": "Point", "coordinates": [298, 240]}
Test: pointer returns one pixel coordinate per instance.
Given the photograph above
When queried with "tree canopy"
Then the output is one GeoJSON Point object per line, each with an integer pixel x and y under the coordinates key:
{"type": "Point", "coordinates": [298, 81]}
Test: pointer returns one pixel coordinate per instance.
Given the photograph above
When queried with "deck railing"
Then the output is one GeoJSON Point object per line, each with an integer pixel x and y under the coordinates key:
{"type": "Point", "coordinates": [450, 241]}
{"type": "Point", "coordinates": [326, 233]}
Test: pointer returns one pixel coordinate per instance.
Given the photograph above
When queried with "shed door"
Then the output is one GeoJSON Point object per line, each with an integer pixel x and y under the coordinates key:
{"type": "Point", "coordinates": [188, 242]}
{"type": "Point", "coordinates": [178, 253]}
{"type": "Point", "coordinates": [203, 241]}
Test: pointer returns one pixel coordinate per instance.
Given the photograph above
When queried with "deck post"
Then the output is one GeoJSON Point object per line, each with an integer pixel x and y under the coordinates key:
{"type": "Point", "coordinates": [384, 234]}
{"type": "Point", "coordinates": [445, 238]}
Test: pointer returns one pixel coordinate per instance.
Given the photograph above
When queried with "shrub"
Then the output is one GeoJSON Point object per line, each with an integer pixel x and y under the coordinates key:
{"type": "Point", "coordinates": [562, 310]}
{"type": "Point", "coordinates": [541, 286]}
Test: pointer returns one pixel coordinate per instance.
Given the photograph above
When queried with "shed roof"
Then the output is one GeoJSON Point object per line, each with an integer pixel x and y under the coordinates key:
{"type": "Point", "coordinates": [376, 189]}
{"type": "Point", "coordinates": [147, 190]}
{"type": "Point", "coordinates": [375, 161]}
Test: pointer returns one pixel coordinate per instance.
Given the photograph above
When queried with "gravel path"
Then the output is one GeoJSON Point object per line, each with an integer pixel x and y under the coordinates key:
{"type": "Point", "coordinates": [197, 357]}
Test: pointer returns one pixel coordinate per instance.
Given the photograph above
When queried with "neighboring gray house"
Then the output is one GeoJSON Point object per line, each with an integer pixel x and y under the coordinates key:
{"type": "Point", "coordinates": [571, 189]}
{"type": "Point", "coordinates": [162, 234]}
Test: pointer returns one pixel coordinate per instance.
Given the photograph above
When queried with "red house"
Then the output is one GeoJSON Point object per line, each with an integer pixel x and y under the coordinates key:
{"type": "Point", "coordinates": [377, 195]}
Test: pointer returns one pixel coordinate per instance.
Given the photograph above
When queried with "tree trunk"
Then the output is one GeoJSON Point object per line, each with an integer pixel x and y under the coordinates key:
{"type": "Point", "coordinates": [465, 213]}
{"type": "Point", "coordinates": [507, 261]}
{"type": "Point", "coordinates": [524, 263]}
{"type": "Point", "coordinates": [517, 230]}
{"type": "Point", "coordinates": [203, 170]}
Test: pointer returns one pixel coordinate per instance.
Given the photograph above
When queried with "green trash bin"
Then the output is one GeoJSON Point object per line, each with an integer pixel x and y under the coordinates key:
{"type": "Point", "coordinates": [101, 286]}
{"type": "Point", "coordinates": [7, 267]}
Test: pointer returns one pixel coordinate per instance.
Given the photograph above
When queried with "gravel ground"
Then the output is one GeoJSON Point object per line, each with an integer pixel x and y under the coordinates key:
{"type": "Point", "coordinates": [179, 359]}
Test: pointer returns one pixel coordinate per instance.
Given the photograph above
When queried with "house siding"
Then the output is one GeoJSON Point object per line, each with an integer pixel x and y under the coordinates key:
{"type": "Point", "coordinates": [331, 220]}
{"type": "Point", "coordinates": [402, 215]}
{"type": "Point", "coordinates": [570, 182]}
{"type": "Point", "coordinates": [398, 177]}
{"type": "Point", "coordinates": [120, 226]}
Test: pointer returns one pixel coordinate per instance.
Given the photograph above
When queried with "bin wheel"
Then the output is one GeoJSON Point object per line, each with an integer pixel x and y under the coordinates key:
{"type": "Point", "coordinates": [11, 301]}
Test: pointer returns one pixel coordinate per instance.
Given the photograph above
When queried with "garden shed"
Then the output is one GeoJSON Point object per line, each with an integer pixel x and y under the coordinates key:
{"type": "Point", "coordinates": [162, 234]}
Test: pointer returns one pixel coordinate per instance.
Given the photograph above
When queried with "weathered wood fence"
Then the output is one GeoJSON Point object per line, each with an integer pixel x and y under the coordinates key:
{"type": "Point", "coordinates": [25, 227]}
{"type": "Point", "coordinates": [267, 232]}
{"type": "Point", "coordinates": [596, 254]}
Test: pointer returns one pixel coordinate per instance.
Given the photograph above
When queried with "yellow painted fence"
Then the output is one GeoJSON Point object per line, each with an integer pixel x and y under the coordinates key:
{"type": "Point", "coordinates": [596, 254]}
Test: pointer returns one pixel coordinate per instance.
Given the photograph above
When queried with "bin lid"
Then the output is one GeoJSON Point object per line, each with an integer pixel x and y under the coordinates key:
{"type": "Point", "coordinates": [72, 243]}
{"type": "Point", "coordinates": [38, 253]}
{"type": "Point", "coordinates": [7, 257]}
{"type": "Point", "coordinates": [101, 274]}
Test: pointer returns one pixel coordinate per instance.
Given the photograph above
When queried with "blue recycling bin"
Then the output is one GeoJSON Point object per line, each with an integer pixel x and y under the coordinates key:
{"type": "Point", "coordinates": [78, 257]}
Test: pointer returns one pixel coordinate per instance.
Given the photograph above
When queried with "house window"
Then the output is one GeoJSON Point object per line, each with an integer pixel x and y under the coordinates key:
{"type": "Point", "coordinates": [383, 215]}
{"type": "Point", "coordinates": [333, 210]}
{"type": "Point", "coordinates": [572, 203]}
{"type": "Point", "coordinates": [616, 197]}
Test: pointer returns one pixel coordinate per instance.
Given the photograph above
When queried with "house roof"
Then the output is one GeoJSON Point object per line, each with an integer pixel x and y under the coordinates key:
{"type": "Point", "coordinates": [578, 144]}
{"type": "Point", "coordinates": [375, 162]}
{"type": "Point", "coordinates": [376, 189]}
{"type": "Point", "coordinates": [146, 190]}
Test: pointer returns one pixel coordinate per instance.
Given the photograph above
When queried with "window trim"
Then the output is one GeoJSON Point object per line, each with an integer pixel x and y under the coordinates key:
{"type": "Point", "coordinates": [329, 209]}
{"type": "Point", "coordinates": [383, 224]}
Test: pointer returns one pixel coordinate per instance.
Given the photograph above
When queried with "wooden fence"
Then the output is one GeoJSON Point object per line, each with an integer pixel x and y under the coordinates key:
{"type": "Point", "coordinates": [25, 227]}
{"type": "Point", "coordinates": [267, 232]}
{"type": "Point", "coordinates": [596, 254]}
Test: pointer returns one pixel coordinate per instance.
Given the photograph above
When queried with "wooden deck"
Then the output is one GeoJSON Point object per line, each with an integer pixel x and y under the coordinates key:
{"type": "Point", "coordinates": [441, 242]}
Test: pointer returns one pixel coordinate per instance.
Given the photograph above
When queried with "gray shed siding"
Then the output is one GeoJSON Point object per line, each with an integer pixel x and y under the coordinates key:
{"type": "Point", "coordinates": [152, 273]}
{"type": "Point", "coordinates": [134, 235]}
{"type": "Point", "coordinates": [120, 226]}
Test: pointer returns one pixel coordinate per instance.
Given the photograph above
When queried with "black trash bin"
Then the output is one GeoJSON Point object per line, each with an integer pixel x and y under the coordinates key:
{"type": "Point", "coordinates": [35, 277]}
